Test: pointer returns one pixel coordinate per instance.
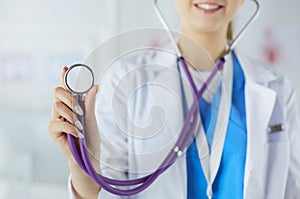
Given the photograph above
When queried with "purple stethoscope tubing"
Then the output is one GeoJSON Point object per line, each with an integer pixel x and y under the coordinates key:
{"type": "Point", "coordinates": [183, 140]}
{"type": "Point", "coordinates": [185, 137]}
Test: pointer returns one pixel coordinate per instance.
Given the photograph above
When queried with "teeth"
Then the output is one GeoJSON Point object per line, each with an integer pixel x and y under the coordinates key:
{"type": "Point", "coordinates": [207, 6]}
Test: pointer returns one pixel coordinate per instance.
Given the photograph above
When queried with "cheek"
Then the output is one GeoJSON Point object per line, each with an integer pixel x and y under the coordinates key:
{"type": "Point", "coordinates": [232, 9]}
{"type": "Point", "coordinates": [183, 7]}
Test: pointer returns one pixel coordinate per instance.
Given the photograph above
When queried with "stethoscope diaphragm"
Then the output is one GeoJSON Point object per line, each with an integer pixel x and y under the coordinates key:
{"type": "Point", "coordinates": [79, 79]}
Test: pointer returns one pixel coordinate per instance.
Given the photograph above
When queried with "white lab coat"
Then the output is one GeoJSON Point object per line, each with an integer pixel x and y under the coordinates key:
{"type": "Point", "coordinates": [272, 169]}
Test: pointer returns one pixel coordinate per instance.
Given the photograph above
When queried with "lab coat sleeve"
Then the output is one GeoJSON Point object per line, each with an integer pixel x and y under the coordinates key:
{"type": "Point", "coordinates": [293, 181]}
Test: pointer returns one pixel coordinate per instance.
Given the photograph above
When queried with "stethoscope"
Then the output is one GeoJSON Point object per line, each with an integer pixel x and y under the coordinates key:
{"type": "Point", "coordinates": [186, 134]}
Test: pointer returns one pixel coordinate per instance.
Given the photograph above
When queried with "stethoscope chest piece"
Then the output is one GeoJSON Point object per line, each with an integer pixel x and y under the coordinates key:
{"type": "Point", "coordinates": [79, 79]}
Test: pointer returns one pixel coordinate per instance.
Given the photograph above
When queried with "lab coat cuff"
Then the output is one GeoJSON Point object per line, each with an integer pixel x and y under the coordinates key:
{"type": "Point", "coordinates": [70, 188]}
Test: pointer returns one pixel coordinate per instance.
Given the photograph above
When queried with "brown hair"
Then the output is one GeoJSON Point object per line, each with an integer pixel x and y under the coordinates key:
{"type": "Point", "coordinates": [230, 32]}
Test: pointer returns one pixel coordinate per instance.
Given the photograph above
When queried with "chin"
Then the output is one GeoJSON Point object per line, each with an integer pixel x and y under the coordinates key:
{"type": "Point", "coordinates": [207, 27]}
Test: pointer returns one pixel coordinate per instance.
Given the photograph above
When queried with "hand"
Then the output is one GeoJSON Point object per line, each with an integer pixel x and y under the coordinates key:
{"type": "Point", "coordinates": [64, 119]}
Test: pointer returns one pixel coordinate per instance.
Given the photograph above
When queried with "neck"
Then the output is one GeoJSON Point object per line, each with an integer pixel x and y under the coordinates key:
{"type": "Point", "coordinates": [202, 50]}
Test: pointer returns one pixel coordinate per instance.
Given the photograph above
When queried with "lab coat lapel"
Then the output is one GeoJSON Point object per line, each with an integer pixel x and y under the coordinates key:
{"type": "Point", "coordinates": [259, 100]}
{"type": "Point", "coordinates": [259, 106]}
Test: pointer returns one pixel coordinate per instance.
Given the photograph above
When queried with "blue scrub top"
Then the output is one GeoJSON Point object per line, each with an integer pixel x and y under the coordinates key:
{"type": "Point", "coordinates": [229, 182]}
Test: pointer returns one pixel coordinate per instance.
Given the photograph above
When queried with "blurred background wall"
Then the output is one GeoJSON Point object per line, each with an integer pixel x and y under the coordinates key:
{"type": "Point", "coordinates": [38, 37]}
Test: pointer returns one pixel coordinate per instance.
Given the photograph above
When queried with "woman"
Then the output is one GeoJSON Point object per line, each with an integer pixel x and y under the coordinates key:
{"type": "Point", "coordinates": [259, 157]}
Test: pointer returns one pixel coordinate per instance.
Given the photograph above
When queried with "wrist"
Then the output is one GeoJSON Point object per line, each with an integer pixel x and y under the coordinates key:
{"type": "Point", "coordinates": [83, 186]}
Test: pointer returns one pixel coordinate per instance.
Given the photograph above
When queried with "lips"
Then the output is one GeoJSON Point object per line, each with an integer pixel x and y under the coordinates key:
{"type": "Point", "coordinates": [208, 8]}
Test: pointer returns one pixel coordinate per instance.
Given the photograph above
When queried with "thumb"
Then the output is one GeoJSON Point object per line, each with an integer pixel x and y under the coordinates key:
{"type": "Point", "coordinates": [90, 99]}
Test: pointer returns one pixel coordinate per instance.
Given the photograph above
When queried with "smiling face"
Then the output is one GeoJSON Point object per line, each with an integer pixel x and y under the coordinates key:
{"type": "Point", "coordinates": [206, 16]}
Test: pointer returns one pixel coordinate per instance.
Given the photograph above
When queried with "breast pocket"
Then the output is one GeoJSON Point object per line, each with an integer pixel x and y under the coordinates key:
{"type": "Point", "coordinates": [277, 132]}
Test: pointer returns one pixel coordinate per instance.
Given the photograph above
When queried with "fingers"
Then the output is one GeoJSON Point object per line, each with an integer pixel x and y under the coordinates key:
{"type": "Point", "coordinates": [67, 98]}
{"type": "Point", "coordinates": [62, 111]}
{"type": "Point", "coordinates": [59, 128]}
